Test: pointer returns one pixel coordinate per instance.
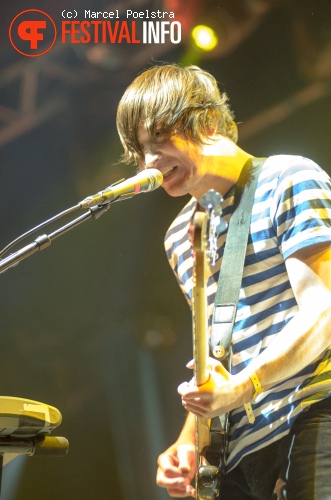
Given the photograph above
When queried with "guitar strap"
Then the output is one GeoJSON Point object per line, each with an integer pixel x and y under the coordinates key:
{"type": "Point", "coordinates": [230, 276]}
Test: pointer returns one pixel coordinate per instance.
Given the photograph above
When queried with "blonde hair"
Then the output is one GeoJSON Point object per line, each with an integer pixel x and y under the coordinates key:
{"type": "Point", "coordinates": [177, 99]}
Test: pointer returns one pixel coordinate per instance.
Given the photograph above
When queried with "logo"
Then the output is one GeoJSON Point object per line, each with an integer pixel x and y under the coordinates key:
{"type": "Point", "coordinates": [32, 33]}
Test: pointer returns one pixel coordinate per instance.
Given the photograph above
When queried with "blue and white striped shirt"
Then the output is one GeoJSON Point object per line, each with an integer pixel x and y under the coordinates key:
{"type": "Point", "coordinates": [292, 210]}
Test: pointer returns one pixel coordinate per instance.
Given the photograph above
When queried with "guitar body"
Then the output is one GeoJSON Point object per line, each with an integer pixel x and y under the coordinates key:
{"type": "Point", "coordinates": [209, 441]}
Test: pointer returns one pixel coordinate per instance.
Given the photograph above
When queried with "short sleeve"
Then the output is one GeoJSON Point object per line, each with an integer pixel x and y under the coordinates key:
{"type": "Point", "coordinates": [301, 207]}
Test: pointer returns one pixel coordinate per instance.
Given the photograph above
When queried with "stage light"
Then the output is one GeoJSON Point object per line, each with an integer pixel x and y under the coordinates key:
{"type": "Point", "coordinates": [204, 37]}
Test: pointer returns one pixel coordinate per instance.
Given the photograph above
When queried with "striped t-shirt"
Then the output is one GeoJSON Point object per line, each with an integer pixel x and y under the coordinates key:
{"type": "Point", "coordinates": [292, 210]}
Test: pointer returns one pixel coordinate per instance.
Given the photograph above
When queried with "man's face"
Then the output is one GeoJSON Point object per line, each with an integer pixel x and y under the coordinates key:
{"type": "Point", "coordinates": [175, 156]}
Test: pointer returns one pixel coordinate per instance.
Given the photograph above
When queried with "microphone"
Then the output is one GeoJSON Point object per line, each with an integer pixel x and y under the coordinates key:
{"type": "Point", "coordinates": [145, 181]}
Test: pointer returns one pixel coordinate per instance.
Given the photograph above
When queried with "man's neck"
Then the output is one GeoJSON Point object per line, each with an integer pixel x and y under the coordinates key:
{"type": "Point", "coordinates": [221, 164]}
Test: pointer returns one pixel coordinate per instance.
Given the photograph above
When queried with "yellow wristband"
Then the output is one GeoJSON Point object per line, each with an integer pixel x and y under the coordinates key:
{"type": "Point", "coordinates": [258, 389]}
{"type": "Point", "coordinates": [257, 385]}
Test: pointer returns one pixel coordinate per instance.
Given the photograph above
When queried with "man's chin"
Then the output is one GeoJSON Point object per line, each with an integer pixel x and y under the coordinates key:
{"type": "Point", "coordinates": [173, 192]}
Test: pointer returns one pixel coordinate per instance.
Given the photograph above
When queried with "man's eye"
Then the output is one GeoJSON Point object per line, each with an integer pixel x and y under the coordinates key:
{"type": "Point", "coordinates": [158, 134]}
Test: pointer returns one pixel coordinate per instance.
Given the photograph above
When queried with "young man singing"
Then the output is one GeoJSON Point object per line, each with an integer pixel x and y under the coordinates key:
{"type": "Point", "coordinates": [175, 119]}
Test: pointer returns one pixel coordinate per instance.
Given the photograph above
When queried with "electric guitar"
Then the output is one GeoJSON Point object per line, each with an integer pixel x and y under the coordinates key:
{"type": "Point", "coordinates": [210, 440]}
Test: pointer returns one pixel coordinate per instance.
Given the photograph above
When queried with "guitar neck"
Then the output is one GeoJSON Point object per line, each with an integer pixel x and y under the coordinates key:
{"type": "Point", "coordinates": [199, 307]}
{"type": "Point", "coordinates": [208, 475]}
{"type": "Point", "coordinates": [200, 323]}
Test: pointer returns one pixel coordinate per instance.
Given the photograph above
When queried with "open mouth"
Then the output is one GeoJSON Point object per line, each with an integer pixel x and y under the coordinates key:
{"type": "Point", "coordinates": [168, 172]}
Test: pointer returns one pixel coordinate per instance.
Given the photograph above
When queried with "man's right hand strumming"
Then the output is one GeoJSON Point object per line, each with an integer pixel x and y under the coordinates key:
{"type": "Point", "coordinates": [176, 469]}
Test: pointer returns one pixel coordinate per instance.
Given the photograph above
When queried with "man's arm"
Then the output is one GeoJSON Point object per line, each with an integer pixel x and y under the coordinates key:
{"type": "Point", "coordinates": [308, 333]}
{"type": "Point", "coordinates": [303, 339]}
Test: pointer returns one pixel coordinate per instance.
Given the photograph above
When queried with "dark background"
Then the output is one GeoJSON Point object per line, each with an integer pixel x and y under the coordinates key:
{"type": "Point", "coordinates": [95, 325]}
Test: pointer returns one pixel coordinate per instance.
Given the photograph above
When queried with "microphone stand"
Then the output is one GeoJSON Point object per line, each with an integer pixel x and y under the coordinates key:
{"type": "Point", "coordinates": [144, 181]}
{"type": "Point", "coordinates": [45, 240]}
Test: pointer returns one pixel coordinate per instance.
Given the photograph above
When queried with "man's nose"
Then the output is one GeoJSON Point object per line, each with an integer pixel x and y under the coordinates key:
{"type": "Point", "coordinates": [150, 159]}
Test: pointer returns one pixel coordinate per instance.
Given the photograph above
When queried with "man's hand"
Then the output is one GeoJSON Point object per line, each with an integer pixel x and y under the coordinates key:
{"type": "Point", "coordinates": [221, 393]}
{"type": "Point", "coordinates": [176, 470]}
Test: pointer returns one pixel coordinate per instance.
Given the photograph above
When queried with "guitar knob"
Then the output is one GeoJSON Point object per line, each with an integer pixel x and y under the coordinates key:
{"type": "Point", "coordinates": [218, 351]}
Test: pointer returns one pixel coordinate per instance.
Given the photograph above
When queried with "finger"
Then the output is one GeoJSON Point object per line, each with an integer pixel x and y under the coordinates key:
{"type": "Point", "coordinates": [179, 483]}
{"type": "Point", "coordinates": [196, 403]}
{"type": "Point", "coordinates": [182, 388]}
{"type": "Point", "coordinates": [188, 388]}
{"type": "Point", "coordinates": [168, 463]}
{"type": "Point", "coordinates": [178, 493]}
{"type": "Point", "coordinates": [200, 408]}
{"type": "Point", "coordinates": [198, 412]}
{"type": "Point", "coordinates": [190, 364]}
{"type": "Point", "coordinates": [191, 390]}
{"type": "Point", "coordinates": [191, 491]}
{"type": "Point", "coordinates": [187, 491]}
{"type": "Point", "coordinates": [186, 458]}
{"type": "Point", "coordinates": [195, 395]}
{"type": "Point", "coordinates": [169, 470]}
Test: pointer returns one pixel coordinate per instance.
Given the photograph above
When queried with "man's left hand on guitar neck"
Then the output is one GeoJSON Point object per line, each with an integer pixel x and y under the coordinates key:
{"type": "Point", "coordinates": [220, 394]}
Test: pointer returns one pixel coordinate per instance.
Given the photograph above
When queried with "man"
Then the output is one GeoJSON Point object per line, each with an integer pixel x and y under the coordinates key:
{"type": "Point", "coordinates": [176, 120]}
